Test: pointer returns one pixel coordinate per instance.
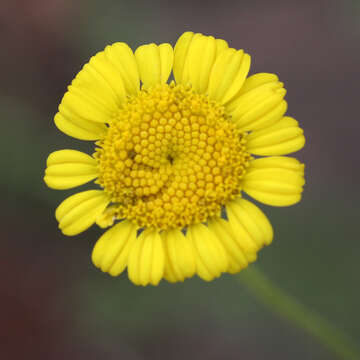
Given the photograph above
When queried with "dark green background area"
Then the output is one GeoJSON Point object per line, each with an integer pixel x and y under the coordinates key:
{"type": "Point", "coordinates": [55, 304]}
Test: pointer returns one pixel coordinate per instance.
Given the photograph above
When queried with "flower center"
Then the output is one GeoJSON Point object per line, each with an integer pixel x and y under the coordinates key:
{"type": "Point", "coordinates": [171, 158]}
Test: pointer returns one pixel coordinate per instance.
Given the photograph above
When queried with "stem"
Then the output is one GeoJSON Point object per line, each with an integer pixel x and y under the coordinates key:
{"type": "Point", "coordinates": [289, 308]}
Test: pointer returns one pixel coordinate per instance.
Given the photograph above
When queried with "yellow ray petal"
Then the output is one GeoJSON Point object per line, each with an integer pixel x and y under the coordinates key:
{"type": "Point", "coordinates": [69, 168]}
{"type": "Point", "coordinates": [110, 74]}
{"type": "Point", "coordinates": [264, 114]}
{"type": "Point", "coordinates": [134, 264]}
{"type": "Point", "coordinates": [228, 74]}
{"type": "Point", "coordinates": [255, 81]}
{"type": "Point", "coordinates": [77, 106]}
{"type": "Point", "coordinates": [282, 138]}
{"type": "Point", "coordinates": [276, 181]}
{"type": "Point", "coordinates": [180, 54]}
{"type": "Point", "coordinates": [93, 85]}
{"type": "Point", "coordinates": [166, 54]}
{"type": "Point", "coordinates": [147, 259]}
{"type": "Point", "coordinates": [123, 59]}
{"type": "Point", "coordinates": [158, 259]}
{"type": "Point", "coordinates": [78, 212]}
{"type": "Point", "coordinates": [238, 256]}
{"type": "Point", "coordinates": [200, 59]}
{"type": "Point", "coordinates": [168, 273]}
{"type": "Point", "coordinates": [283, 162]}
{"type": "Point", "coordinates": [80, 128]}
{"type": "Point", "coordinates": [181, 259]}
{"type": "Point", "coordinates": [247, 100]}
{"type": "Point", "coordinates": [269, 197]}
{"type": "Point", "coordinates": [221, 45]}
{"type": "Point", "coordinates": [68, 156]}
{"type": "Point", "coordinates": [260, 108]}
{"type": "Point", "coordinates": [194, 57]}
{"type": "Point", "coordinates": [122, 260]}
{"type": "Point", "coordinates": [171, 271]}
{"type": "Point", "coordinates": [211, 257]}
{"type": "Point", "coordinates": [112, 249]}
{"type": "Point", "coordinates": [249, 224]}
{"type": "Point", "coordinates": [154, 63]}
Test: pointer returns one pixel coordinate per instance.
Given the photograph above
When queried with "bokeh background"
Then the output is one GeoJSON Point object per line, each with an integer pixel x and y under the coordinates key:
{"type": "Point", "coordinates": [55, 304]}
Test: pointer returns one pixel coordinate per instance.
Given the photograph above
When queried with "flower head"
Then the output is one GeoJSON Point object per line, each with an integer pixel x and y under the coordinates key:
{"type": "Point", "coordinates": [173, 157]}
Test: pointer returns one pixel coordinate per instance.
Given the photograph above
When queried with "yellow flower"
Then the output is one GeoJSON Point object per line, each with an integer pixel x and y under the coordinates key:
{"type": "Point", "coordinates": [172, 158]}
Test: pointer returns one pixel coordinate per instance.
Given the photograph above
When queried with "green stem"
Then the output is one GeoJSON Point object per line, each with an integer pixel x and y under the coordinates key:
{"type": "Point", "coordinates": [289, 308]}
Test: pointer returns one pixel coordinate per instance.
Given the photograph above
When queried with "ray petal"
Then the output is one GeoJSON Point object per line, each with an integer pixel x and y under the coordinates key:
{"type": "Point", "coordinates": [282, 138]}
{"type": "Point", "coordinates": [249, 224]}
{"type": "Point", "coordinates": [212, 259]}
{"type": "Point", "coordinates": [181, 257]}
{"type": "Point", "coordinates": [78, 212]}
{"type": "Point", "coordinates": [69, 168]}
{"type": "Point", "coordinates": [154, 63]}
{"type": "Point", "coordinates": [275, 180]}
{"type": "Point", "coordinates": [228, 75]}
{"type": "Point", "coordinates": [111, 251]}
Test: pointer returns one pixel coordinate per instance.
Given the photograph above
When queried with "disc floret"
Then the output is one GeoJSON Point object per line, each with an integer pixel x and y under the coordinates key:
{"type": "Point", "coordinates": [171, 158]}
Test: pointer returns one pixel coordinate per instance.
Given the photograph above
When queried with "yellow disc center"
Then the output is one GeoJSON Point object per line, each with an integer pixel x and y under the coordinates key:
{"type": "Point", "coordinates": [171, 158]}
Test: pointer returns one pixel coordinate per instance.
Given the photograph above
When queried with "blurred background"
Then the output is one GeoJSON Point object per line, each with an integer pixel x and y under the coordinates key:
{"type": "Point", "coordinates": [55, 304]}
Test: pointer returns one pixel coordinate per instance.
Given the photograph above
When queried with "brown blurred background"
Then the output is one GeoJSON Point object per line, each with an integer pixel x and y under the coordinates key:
{"type": "Point", "coordinates": [56, 305]}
